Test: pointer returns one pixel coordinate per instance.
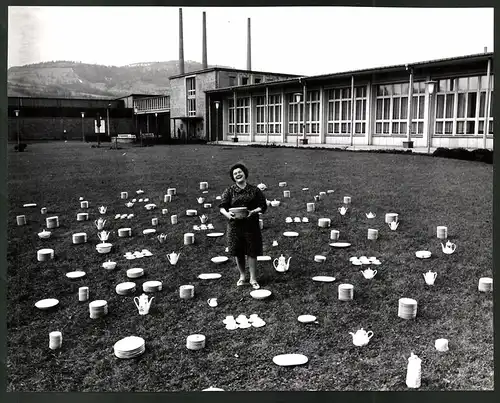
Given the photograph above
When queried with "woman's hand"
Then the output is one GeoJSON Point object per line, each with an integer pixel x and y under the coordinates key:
{"type": "Point", "coordinates": [251, 213]}
{"type": "Point", "coordinates": [230, 216]}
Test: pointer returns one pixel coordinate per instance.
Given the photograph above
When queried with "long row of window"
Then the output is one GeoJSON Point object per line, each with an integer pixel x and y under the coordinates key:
{"type": "Point", "coordinates": [459, 107]}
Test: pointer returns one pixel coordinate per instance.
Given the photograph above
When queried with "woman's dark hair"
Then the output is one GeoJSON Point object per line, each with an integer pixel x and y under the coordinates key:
{"type": "Point", "coordinates": [236, 166]}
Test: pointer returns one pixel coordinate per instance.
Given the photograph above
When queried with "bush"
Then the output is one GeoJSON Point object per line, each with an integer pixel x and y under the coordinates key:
{"type": "Point", "coordinates": [21, 147]}
{"type": "Point", "coordinates": [480, 154]}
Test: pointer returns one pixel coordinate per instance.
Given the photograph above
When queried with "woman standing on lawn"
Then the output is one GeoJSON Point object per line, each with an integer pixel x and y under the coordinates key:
{"type": "Point", "coordinates": [243, 234]}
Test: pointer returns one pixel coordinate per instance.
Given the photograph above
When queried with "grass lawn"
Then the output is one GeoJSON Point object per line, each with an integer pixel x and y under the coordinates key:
{"type": "Point", "coordinates": [426, 192]}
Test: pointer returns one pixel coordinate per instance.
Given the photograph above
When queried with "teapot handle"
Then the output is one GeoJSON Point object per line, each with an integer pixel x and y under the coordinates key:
{"type": "Point", "coordinates": [374, 273]}
{"type": "Point", "coordinates": [275, 264]}
{"type": "Point", "coordinates": [453, 247]}
{"type": "Point", "coordinates": [435, 275]}
{"type": "Point", "coordinates": [135, 302]}
{"type": "Point", "coordinates": [369, 335]}
{"type": "Point", "coordinates": [168, 257]}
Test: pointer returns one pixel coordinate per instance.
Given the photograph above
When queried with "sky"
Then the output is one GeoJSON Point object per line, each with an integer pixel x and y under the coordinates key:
{"type": "Point", "coordinates": [294, 40]}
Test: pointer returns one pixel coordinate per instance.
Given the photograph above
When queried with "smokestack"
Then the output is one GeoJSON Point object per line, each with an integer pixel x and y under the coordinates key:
{"type": "Point", "coordinates": [485, 49]}
{"type": "Point", "coordinates": [249, 48]}
{"type": "Point", "coordinates": [181, 44]}
{"type": "Point", "coordinates": [204, 56]}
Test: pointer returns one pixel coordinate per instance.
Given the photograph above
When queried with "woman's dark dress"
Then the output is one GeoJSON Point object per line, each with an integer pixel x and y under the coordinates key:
{"type": "Point", "coordinates": [243, 235]}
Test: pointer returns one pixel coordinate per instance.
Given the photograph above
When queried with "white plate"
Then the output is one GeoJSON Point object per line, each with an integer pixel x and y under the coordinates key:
{"type": "Point", "coordinates": [219, 259]}
{"type": "Point", "coordinates": [130, 257]}
{"type": "Point", "coordinates": [149, 231]}
{"type": "Point", "coordinates": [423, 254]}
{"type": "Point", "coordinates": [75, 274]}
{"type": "Point", "coordinates": [215, 234]}
{"type": "Point", "coordinates": [209, 276]}
{"type": "Point", "coordinates": [260, 294]}
{"type": "Point", "coordinates": [135, 272]}
{"type": "Point", "coordinates": [130, 343]}
{"type": "Point", "coordinates": [356, 262]}
{"type": "Point", "coordinates": [258, 323]}
{"type": "Point", "coordinates": [285, 360]}
{"type": "Point", "coordinates": [306, 318]}
{"type": "Point", "coordinates": [290, 233]}
{"type": "Point", "coordinates": [377, 262]}
{"type": "Point", "coordinates": [324, 279]}
{"type": "Point", "coordinates": [305, 189]}
{"type": "Point", "coordinates": [263, 258]}
{"type": "Point", "coordinates": [340, 244]}
{"type": "Point", "coordinates": [353, 258]}
{"type": "Point", "coordinates": [47, 303]}
{"type": "Point", "coordinates": [29, 205]}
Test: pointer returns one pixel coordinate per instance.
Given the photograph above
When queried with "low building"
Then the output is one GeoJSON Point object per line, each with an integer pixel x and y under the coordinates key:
{"type": "Point", "coordinates": [439, 103]}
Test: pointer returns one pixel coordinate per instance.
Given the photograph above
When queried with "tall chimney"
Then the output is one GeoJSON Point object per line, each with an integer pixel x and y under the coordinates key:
{"type": "Point", "coordinates": [181, 44]}
{"type": "Point", "coordinates": [249, 48]}
{"type": "Point", "coordinates": [204, 56]}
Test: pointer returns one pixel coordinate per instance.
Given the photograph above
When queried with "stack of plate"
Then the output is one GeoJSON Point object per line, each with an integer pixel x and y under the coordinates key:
{"type": "Point", "coordinates": [171, 191]}
{"type": "Point", "coordinates": [186, 291]}
{"type": "Point", "coordinates": [485, 284]}
{"type": "Point", "coordinates": [152, 286]}
{"type": "Point", "coordinates": [79, 237]}
{"type": "Point", "coordinates": [346, 292]}
{"type": "Point", "coordinates": [124, 232]}
{"type": "Point", "coordinates": [407, 308]}
{"type": "Point", "coordinates": [442, 232]}
{"type": "Point", "coordinates": [372, 234]}
{"type": "Point", "coordinates": [191, 213]}
{"type": "Point", "coordinates": [45, 254]}
{"type": "Point", "coordinates": [125, 288]}
{"type": "Point", "coordinates": [135, 272]}
{"type": "Point", "coordinates": [98, 309]}
{"type": "Point", "coordinates": [188, 238]}
{"type": "Point", "coordinates": [319, 258]}
{"type": "Point", "coordinates": [195, 342]}
{"type": "Point", "coordinates": [324, 222]}
{"type": "Point", "coordinates": [130, 347]}
{"type": "Point", "coordinates": [82, 217]}
{"type": "Point", "coordinates": [203, 185]}
{"type": "Point", "coordinates": [52, 222]}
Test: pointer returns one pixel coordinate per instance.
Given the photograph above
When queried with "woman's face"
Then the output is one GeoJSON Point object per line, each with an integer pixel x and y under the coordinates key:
{"type": "Point", "coordinates": [239, 175]}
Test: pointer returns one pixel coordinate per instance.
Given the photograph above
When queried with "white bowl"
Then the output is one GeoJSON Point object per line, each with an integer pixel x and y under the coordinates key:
{"type": "Point", "coordinates": [44, 234]}
{"type": "Point", "coordinates": [275, 203]}
{"type": "Point", "coordinates": [109, 265]}
{"type": "Point", "coordinates": [129, 204]}
{"type": "Point", "coordinates": [104, 247]}
{"type": "Point", "coordinates": [260, 294]}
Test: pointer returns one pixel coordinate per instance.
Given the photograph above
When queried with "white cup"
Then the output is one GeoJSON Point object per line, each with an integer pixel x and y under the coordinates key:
{"type": "Point", "coordinates": [212, 302]}
{"type": "Point", "coordinates": [173, 219]}
{"type": "Point", "coordinates": [154, 221]}
{"type": "Point", "coordinates": [334, 234]}
{"type": "Point", "coordinates": [43, 210]}
{"type": "Point", "coordinates": [164, 211]}
{"type": "Point", "coordinates": [286, 193]}
{"type": "Point", "coordinates": [347, 200]}
{"type": "Point", "coordinates": [167, 198]}
{"type": "Point", "coordinates": [441, 345]}
{"type": "Point", "coordinates": [124, 195]}
{"type": "Point", "coordinates": [83, 294]}
{"type": "Point", "coordinates": [21, 220]}
{"type": "Point", "coordinates": [310, 207]}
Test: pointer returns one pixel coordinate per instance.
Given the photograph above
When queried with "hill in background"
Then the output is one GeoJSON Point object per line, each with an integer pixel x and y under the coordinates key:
{"type": "Point", "coordinates": [82, 80]}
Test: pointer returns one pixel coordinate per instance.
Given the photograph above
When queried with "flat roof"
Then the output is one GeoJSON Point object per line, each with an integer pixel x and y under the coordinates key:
{"type": "Point", "coordinates": [430, 63]}
{"type": "Point", "coordinates": [143, 96]}
{"type": "Point", "coordinates": [230, 69]}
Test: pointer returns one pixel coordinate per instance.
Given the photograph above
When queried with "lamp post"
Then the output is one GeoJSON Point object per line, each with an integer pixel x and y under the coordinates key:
{"type": "Point", "coordinates": [107, 121]}
{"type": "Point", "coordinates": [83, 132]}
{"type": "Point", "coordinates": [17, 123]}
{"type": "Point", "coordinates": [217, 104]}
{"type": "Point", "coordinates": [431, 87]}
{"type": "Point", "coordinates": [298, 97]}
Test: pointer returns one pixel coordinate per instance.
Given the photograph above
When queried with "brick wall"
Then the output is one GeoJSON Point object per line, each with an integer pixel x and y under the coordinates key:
{"type": "Point", "coordinates": [53, 128]}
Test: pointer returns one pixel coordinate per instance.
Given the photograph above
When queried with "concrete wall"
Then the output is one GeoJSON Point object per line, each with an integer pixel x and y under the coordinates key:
{"type": "Point", "coordinates": [53, 128]}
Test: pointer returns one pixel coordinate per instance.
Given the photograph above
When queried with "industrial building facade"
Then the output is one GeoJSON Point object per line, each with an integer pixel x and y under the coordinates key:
{"type": "Point", "coordinates": [442, 103]}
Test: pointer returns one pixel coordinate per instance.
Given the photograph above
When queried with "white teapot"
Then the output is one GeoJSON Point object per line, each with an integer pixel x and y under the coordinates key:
{"type": "Point", "coordinates": [203, 219]}
{"type": "Point", "coordinates": [430, 277]}
{"type": "Point", "coordinates": [394, 225]}
{"type": "Point", "coordinates": [162, 238]}
{"type": "Point", "coordinates": [369, 273]}
{"type": "Point", "coordinates": [102, 209]}
{"type": "Point", "coordinates": [370, 215]}
{"type": "Point", "coordinates": [173, 258]}
{"type": "Point", "coordinates": [103, 235]}
{"type": "Point", "coordinates": [200, 200]}
{"type": "Point", "coordinates": [449, 248]}
{"type": "Point", "coordinates": [143, 303]}
{"type": "Point", "coordinates": [100, 223]}
{"type": "Point", "coordinates": [281, 264]}
{"type": "Point", "coordinates": [361, 337]}
{"type": "Point", "coordinates": [343, 210]}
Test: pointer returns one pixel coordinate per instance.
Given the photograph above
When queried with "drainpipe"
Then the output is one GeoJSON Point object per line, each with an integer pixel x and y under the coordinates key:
{"type": "Point", "coordinates": [352, 110]}
{"type": "Point", "coordinates": [266, 115]}
{"type": "Point", "coordinates": [410, 99]}
{"type": "Point", "coordinates": [487, 106]}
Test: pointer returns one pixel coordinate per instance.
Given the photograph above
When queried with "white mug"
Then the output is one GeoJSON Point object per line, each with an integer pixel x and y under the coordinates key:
{"type": "Point", "coordinates": [441, 345]}
{"type": "Point", "coordinates": [212, 302]}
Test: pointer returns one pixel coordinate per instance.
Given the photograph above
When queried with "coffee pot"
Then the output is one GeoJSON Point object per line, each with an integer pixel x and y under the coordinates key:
{"type": "Point", "coordinates": [281, 264]}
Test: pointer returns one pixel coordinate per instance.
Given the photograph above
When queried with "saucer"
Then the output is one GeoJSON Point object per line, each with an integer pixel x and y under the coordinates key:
{"type": "Point", "coordinates": [263, 258]}
{"type": "Point", "coordinates": [340, 244]}
{"type": "Point", "coordinates": [75, 274]}
{"type": "Point", "coordinates": [215, 234]}
{"type": "Point", "coordinates": [47, 303]}
{"type": "Point", "coordinates": [306, 318]}
{"type": "Point", "coordinates": [290, 233]}
{"type": "Point", "coordinates": [219, 259]}
{"type": "Point", "coordinates": [209, 276]}
{"type": "Point", "coordinates": [324, 279]}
